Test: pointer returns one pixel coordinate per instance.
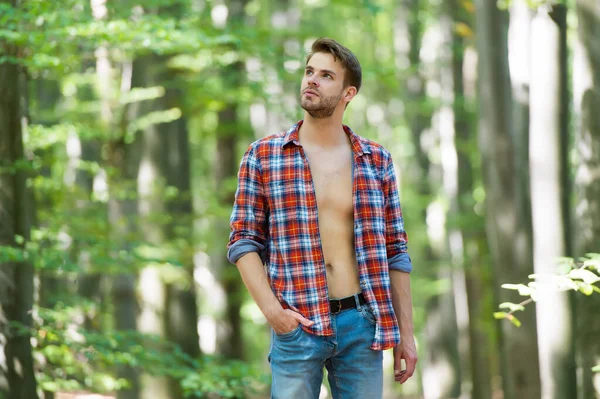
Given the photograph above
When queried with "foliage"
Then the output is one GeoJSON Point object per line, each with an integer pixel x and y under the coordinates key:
{"type": "Point", "coordinates": [78, 124]}
{"type": "Point", "coordinates": [70, 358]}
{"type": "Point", "coordinates": [580, 276]}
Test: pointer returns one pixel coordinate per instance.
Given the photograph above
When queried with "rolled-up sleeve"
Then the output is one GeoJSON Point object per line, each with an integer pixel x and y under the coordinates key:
{"type": "Point", "coordinates": [396, 238]}
{"type": "Point", "coordinates": [248, 222]}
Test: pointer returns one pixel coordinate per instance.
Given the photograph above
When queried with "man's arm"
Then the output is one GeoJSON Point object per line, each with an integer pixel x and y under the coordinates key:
{"type": "Point", "coordinates": [400, 266]}
{"type": "Point", "coordinates": [402, 302]}
{"type": "Point", "coordinates": [249, 228]}
{"type": "Point", "coordinates": [254, 277]}
{"type": "Point", "coordinates": [248, 238]}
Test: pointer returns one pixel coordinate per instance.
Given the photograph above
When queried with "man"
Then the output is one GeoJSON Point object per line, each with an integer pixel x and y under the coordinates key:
{"type": "Point", "coordinates": [319, 206]}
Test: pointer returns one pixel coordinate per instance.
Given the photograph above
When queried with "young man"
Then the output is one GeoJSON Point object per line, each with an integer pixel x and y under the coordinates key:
{"type": "Point", "coordinates": [319, 206]}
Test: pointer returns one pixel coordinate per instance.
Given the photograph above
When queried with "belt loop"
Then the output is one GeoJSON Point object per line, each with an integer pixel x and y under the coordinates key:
{"type": "Point", "coordinates": [358, 305]}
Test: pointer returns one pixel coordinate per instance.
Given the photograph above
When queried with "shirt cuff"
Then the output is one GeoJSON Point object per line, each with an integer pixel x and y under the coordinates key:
{"type": "Point", "coordinates": [400, 262]}
{"type": "Point", "coordinates": [243, 247]}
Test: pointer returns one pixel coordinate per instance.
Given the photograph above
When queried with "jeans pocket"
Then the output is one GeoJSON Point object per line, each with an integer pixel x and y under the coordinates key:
{"type": "Point", "coordinates": [290, 334]}
{"type": "Point", "coordinates": [367, 314]}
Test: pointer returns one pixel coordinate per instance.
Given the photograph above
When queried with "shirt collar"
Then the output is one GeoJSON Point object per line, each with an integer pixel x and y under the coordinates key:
{"type": "Point", "coordinates": [358, 146]}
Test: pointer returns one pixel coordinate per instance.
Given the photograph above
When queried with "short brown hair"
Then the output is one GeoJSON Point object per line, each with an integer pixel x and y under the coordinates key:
{"type": "Point", "coordinates": [353, 75]}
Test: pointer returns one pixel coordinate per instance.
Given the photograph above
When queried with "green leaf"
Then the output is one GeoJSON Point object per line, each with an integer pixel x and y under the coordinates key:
{"type": "Point", "coordinates": [596, 369]}
{"type": "Point", "coordinates": [513, 307]}
{"type": "Point", "coordinates": [586, 289]}
{"type": "Point", "coordinates": [592, 263]}
{"type": "Point", "coordinates": [514, 320]}
{"type": "Point", "coordinates": [565, 283]}
{"type": "Point", "coordinates": [504, 315]}
{"type": "Point", "coordinates": [500, 315]}
{"type": "Point", "coordinates": [522, 288]}
{"type": "Point", "coordinates": [582, 274]}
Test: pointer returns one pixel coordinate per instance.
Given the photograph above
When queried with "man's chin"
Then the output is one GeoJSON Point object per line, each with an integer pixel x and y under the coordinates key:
{"type": "Point", "coordinates": [310, 107]}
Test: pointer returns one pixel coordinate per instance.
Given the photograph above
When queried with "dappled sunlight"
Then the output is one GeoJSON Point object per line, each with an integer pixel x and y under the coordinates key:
{"type": "Point", "coordinates": [214, 299]}
{"type": "Point", "coordinates": [64, 395]}
{"type": "Point", "coordinates": [219, 15]}
{"type": "Point", "coordinates": [207, 327]}
{"type": "Point", "coordinates": [140, 141]}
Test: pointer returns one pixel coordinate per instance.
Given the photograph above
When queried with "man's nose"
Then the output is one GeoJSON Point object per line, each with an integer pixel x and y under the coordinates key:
{"type": "Point", "coordinates": [312, 80]}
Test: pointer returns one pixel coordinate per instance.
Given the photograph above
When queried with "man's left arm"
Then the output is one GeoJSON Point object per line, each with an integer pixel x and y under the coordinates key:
{"type": "Point", "coordinates": [400, 266]}
{"type": "Point", "coordinates": [406, 349]}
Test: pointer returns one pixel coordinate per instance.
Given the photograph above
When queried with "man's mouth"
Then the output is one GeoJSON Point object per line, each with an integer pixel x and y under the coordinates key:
{"type": "Point", "coordinates": [310, 92]}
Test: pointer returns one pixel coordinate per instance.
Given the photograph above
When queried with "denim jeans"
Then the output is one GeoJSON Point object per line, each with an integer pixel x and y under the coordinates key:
{"type": "Point", "coordinates": [354, 369]}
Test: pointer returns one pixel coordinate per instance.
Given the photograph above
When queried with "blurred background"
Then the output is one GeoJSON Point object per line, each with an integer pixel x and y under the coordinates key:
{"type": "Point", "coordinates": [122, 125]}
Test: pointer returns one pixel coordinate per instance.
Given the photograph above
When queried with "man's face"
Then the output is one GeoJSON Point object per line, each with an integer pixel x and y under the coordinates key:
{"type": "Point", "coordinates": [322, 86]}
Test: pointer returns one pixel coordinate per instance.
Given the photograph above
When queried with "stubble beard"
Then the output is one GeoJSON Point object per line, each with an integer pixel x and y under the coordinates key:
{"type": "Point", "coordinates": [323, 109]}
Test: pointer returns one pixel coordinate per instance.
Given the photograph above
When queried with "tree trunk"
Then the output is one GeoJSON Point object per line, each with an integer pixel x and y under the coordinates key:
{"type": "Point", "coordinates": [547, 161]}
{"type": "Point", "coordinates": [121, 213]}
{"type": "Point", "coordinates": [519, 50]}
{"type": "Point", "coordinates": [230, 343]}
{"type": "Point", "coordinates": [151, 184]}
{"type": "Point", "coordinates": [90, 282]}
{"type": "Point", "coordinates": [587, 187]}
{"type": "Point", "coordinates": [181, 307]}
{"type": "Point", "coordinates": [16, 278]}
{"type": "Point", "coordinates": [508, 237]}
{"type": "Point", "coordinates": [469, 295]}
{"type": "Point", "coordinates": [442, 373]}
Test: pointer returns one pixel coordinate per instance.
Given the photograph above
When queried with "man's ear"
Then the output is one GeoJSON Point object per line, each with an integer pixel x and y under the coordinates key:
{"type": "Point", "coordinates": [350, 92]}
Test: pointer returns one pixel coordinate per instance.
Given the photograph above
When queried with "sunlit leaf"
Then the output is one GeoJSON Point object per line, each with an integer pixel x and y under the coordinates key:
{"type": "Point", "coordinates": [587, 276]}
{"type": "Point", "coordinates": [514, 320]}
{"type": "Point", "coordinates": [500, 315]}
{"type": "Point", "coordinates": [463, 30]}
{"type": "Point", "coordinates": [522, 288]}
{"type": "Point", "coordinates": [513, 307]}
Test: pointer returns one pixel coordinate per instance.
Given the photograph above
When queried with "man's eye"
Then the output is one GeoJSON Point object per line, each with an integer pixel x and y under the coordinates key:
{"type": "Point", "coordinates": [308, 72]}
{"type": "Point", "coordinates": [327, 75]}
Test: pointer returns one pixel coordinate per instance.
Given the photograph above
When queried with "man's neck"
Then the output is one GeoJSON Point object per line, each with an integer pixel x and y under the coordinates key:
{"type": "Point", "coordinates": [323, 132]}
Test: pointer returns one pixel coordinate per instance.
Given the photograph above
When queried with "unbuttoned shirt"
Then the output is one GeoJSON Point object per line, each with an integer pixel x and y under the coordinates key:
{"type": "Point", "coordinates": [275, 214]}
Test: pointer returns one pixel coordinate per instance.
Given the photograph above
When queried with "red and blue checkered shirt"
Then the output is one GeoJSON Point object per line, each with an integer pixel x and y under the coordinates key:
{"type": "Point", "coordinates": [275, 214]}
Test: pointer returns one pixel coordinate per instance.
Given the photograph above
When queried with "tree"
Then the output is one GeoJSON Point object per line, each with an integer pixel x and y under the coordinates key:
{"type": "Point", "coordinates": [464, 239]}
{"type": "Point", "coordinates": [548, 165]}
{"type": "Point", "coordinates": [506, 230]}
{"type": "Point", "coordinates": [226, 166]}
{"type": "Point", "coordinates": [16, 272]}
{"type": "Point", "coordinates": [586, 93]}
{"type": "Point", "coordinates": [181, 308]}
{"type": "Point", "coordinates": [442, 375]}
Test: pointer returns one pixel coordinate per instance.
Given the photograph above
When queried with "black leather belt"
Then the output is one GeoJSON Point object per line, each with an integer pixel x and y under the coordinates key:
{"type": "Point", "coordinates": [337, 305]}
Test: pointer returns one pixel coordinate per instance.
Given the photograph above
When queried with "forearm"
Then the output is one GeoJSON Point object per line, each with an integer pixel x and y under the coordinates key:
{"type": "Point", "coordinates": [254, 277]}
{"type": "Point", "coordinates": [402, 301]}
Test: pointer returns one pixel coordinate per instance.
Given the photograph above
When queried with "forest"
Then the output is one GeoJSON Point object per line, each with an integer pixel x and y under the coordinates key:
{"type": "Point", "coordinates": [122, 127]}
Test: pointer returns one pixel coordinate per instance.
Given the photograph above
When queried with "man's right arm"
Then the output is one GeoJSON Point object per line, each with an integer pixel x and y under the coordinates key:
{"type": "Point", "coordinates": [254, 277]}
{"type": "Point", "coordinates": [248, 238]}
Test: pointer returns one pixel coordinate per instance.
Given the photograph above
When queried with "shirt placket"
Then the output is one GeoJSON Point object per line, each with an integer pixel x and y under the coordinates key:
{"type": "Point", "coordinates": [317, 248]}
{"type": "Point", "coordinates": [356, 198]}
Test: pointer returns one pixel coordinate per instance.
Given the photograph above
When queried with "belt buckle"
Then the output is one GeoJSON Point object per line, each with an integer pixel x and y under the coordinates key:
{"type": "Point", "coordinates": [339, 307]}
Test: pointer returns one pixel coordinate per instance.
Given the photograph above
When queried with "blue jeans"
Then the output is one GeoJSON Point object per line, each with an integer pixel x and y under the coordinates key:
{"type": "Point", "coordinates": [354, 369]}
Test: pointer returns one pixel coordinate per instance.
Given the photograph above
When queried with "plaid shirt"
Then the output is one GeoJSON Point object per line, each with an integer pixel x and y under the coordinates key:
{"type": "Point", "coordinates": [275, 211]}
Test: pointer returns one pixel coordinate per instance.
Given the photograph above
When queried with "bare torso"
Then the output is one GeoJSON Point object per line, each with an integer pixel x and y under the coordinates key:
{"type": "Point", "coordinates": [332, 177]}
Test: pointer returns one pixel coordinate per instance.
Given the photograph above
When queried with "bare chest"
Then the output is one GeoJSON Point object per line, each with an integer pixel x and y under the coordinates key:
{"type": "Point", "coordinates": [332, 180]}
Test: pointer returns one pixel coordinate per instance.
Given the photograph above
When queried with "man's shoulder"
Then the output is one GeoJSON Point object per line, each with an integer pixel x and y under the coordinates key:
{"type": "Point", "coordinates": [378, 151]}
{"type": "Point", "coordinates": [267, 143]}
